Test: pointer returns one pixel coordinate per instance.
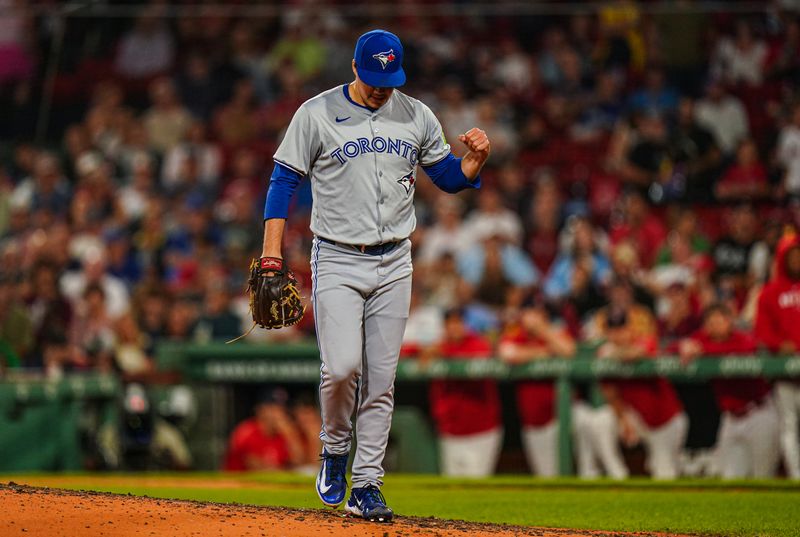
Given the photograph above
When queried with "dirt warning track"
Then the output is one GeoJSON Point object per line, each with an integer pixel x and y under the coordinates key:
{"type": "Point", "coordinates": [46, 512]}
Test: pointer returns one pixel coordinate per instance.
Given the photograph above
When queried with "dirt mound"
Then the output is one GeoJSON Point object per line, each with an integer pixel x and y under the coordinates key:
{"type": "Point", "coordinates": [34, 511]}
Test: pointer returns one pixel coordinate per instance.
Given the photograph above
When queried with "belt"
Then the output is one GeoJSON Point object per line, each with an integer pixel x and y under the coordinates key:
{"type": "Point", "coordinates": [749, 407]}
{"type": "Point", "coordinates": [368, 249]}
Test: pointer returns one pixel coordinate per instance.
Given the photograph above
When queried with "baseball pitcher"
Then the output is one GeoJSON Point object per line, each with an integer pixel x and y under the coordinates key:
{"type": "Point", "coordinates": [360, 144]}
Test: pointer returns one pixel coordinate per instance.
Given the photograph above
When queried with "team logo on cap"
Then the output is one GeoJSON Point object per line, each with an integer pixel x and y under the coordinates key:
{"type": "Point", "coordinates": [407, 181]}
{"type": "Point", "coordinates": [385, 57]}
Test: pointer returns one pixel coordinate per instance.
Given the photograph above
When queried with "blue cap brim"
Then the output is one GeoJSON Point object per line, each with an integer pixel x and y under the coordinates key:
{"type": "Point", "coordinates": [382, 80]}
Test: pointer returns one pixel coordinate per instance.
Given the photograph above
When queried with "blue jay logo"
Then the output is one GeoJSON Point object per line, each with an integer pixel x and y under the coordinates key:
{"type": "Point", "coordinates": [385, 57]}
{"type": "Point", "coordinates": [407, 181]}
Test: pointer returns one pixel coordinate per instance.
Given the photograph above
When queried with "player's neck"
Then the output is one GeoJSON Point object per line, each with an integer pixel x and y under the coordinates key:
{"type": "Point", "coordinates": [355, 96]}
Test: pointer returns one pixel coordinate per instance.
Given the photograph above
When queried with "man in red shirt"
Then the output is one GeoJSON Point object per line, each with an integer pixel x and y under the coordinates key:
{"type": "Point", "coordinates": [535, 337]}
{"type": "Point", "coordinates": [747, 443]}
{"type": "Point", "coordinates": [777, 322]}
{"type": "Point", "coordinates": [647, 409]}
{"type": "Point", "coordinates": [466, 412]}
{"type": "Point", "coordinates": [267, 441]}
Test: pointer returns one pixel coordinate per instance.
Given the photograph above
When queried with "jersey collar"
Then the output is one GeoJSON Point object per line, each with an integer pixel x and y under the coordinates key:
{"type": "Point", "coordinates": [370, 110]}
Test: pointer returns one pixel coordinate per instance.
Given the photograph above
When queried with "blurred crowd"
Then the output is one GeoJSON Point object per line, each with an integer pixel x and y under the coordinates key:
{"type": "Point", "coordinates": [645, 164]}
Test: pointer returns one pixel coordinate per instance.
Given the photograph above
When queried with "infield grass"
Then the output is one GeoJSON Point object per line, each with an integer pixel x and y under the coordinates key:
{"type": "Point", "coordinates": [751, 508]}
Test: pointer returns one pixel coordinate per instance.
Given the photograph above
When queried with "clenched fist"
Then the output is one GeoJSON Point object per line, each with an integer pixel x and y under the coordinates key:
{"type": "Point", "coordinates": [479, 147]}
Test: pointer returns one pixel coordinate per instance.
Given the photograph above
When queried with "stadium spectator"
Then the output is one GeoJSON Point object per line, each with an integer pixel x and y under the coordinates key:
{"type": "Point", "coordinates": [425, 326]}
{"type": "Point", "coordinates": [777, 319]}
{"type": "Point", "coordinates": [130, 357]}
{"type": "Point", "coordinates": [492, 219]}
{"type": "Point", "coordinates": [198, 87]}
{"type": "Point", "coordinates": [167, 121]}
{"type": "Point", "coordinates": [534, 336]}
{"type": "Point", "coordinates": [733, 253]}
{"type": "Point", "coordinates": [680, 315]}
{"type": "Point", "coordinates": [789, 153]}
{"type": "Point", "coordinates": [746, 179]}
{"type": "Point", "coordinates": [148, 49]}
{"type": "Point", "coordinates": [686, 226]}
{"type": "Point", "coordinates": [195, 153]}
{"type": "Point", "coordinates": [51, 313]}
{"type": "Point", "coordinates": [655, 97]}
{"type": "Point", "coordinates": [648, 410]}
{"type": "Point", "coordinates": [747, 442]}
{"type": "Point", "coordinates": [696, 157]}
{"type": "Point", "coordinates": [466, 412]}
{"type": "Point", "coordinates": [583, 251]}
{"type": "Point", "coordinates": [639, 224]}
{"type": "Point", "coordinates": [724, 116]}
{"type": "Point", "coordinates": [544, 222]}
{"type": "Point", "coordinates": [267, 441]}
{"type": "Point", "coordinates": [741, 59]}
{"type": "Point", "coordinates": [497, 271]}
{"type": "Point", "coordinates": [236, 122]}
{"type": "Point", "coordinates": [446, 235]}
{"type": "Point", "coordinates": [93, 331]}
{"type": "Point", "coordinates": [94, 271]}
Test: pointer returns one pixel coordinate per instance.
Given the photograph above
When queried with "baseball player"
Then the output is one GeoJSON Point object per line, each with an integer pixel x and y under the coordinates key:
{"type": "Point", "coordinates": [777, 320]}
{"type": "Point", "coordinates": [646, 409]}
{"type": "Point", "coordinates": [360, 144]}
{"type": "Point", "coordinates": [747, 441]}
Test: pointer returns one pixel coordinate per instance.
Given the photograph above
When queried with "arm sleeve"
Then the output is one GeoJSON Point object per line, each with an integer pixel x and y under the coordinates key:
{"type": "Point", "coordinates": [447, 175]}
{"type": "Point", "coordinates": [299, 146]}
{"type": "Point", "coordinates": [437, 160]}
{"type": "Point", "coordinates": [282, 185]}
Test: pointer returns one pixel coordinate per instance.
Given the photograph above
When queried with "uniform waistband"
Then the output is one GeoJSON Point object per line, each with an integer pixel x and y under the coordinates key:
{"type": "Point", "coordinates": [368, 249]}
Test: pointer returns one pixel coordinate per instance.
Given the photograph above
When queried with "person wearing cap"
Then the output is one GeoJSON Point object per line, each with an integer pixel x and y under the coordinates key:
{"type": "Point", "coordinates": [467, 413]}
{"type": "Point", "coordinates": [648, 410]}
{"type": "Point", "coordinates": [534, 337]}
{"type": "Point", "coordinates": [360, 144]}
{"type": "Point", "coordinates": [777, 319]}
{"type": "Point", "coordinates": [267, 441]}
{"type": "Point", "coordinates": [747, 441]}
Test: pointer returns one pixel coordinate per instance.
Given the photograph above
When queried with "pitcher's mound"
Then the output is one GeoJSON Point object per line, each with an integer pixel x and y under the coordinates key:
{"type": "Point", "coordinates": [46, 512]}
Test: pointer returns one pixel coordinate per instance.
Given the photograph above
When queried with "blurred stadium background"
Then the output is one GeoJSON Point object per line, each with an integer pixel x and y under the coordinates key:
{"type": "Point", "coordinates": [645, 163]}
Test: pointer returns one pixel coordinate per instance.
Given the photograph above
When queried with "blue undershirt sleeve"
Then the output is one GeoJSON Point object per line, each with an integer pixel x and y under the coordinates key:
{"type": "Point", "coordinates": [282, 185]}
{"type": "Point", "coordinates": [447, 175]}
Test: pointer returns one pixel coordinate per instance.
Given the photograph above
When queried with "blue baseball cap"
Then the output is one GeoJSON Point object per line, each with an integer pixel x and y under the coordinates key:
{"type": "Point", "coordinates": [379, 59]}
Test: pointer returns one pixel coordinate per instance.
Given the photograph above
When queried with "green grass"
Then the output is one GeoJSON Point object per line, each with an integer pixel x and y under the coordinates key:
{"type": "Point", "coordinates": [753, 508]}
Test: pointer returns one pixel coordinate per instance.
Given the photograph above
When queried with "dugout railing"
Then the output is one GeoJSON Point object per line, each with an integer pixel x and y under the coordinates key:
{"type": "Point", "coordinates": [299, 363]}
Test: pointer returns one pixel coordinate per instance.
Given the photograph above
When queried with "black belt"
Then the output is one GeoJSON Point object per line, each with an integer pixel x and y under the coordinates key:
{"type": "Point", "coordinates": [369, 249]}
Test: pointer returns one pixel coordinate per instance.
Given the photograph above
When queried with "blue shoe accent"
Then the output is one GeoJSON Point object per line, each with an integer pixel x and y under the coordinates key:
{"type": "Point", "coordinates": [369, 503]}
{"type": "Point", "coordinates": [332, 479]}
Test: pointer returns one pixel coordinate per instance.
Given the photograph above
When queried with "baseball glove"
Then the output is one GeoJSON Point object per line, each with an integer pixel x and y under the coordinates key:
{"type": "Point", "coordinates": [274, 298]}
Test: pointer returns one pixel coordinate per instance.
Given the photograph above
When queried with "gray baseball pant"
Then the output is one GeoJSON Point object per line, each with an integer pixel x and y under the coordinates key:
{"type": "Point", "coordinates": [361, 305]}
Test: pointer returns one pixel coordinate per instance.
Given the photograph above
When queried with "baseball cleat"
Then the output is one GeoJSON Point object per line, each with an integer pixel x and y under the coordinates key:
{"type": "Point", "coordinates": [332, 479]}
{"type": "Point", "coordinates": [368, 503]}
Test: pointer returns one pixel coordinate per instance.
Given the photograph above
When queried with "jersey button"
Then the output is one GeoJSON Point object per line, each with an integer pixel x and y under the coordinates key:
{"type": "Point", "coordinates": [380, 174]}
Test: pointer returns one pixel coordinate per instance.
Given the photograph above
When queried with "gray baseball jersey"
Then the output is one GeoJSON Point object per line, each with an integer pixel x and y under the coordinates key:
{"type": "Point", "coordinates": [362, 164]}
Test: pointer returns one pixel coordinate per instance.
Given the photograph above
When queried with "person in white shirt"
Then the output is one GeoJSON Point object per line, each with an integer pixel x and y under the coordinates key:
{"type": "Point", "coordinates": [789, 153]}
{"type": "Point", "coordinates": [740, 59]}
{"type": "Point", "coordinates": [723, 115]}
